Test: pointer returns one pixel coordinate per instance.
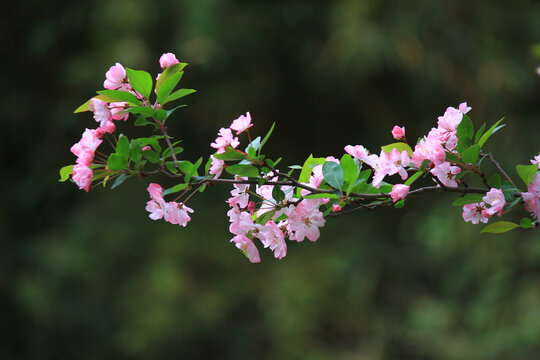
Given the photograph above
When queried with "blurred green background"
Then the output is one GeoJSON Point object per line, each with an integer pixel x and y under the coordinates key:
{"type": "Point", "coordinates": [89, 276]}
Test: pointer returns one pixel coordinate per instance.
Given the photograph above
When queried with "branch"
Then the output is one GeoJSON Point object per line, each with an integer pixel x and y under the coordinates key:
{"type": "Point", "coordinates": [498, 166]}
{"type": "Point", "coordinates": [166, 136]}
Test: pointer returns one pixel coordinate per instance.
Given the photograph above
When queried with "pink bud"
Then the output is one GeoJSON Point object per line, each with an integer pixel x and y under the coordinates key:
{"type": "Point", "coordinates": [251, 207]}
{"type": "Point", "coordinates": [399, 192]}
{"type": "Point", "coordinates": [336, 208]}
{"type": "Point", "coordinates": [398, 132]}
{"type": "Point", "coordinates": [147, 147]}
{"type": "Point", "coordinates": [167, 60]}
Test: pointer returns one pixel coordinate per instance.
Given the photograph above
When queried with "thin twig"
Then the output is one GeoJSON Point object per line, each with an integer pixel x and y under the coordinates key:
{"type": "Point", "coordinates": [498, 166]}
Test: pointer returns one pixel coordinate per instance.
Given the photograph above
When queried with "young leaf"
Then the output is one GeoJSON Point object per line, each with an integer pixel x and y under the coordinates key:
{"type": "Point", "coordinates": [399, 204]}
{"type": "Point", "coordinates": [322, 196]}
{"type": "Point", "coordinates": [278, 194]}
{"type": "Point", "coordinates": [166, 87]}
{"type": "Point", "coordinates": [135, 153]}
{"type": "Point", "coordinates": [153, 142]}
{"type": "Point", "coordinates": [267, 136]}
{"type": "Point", "coordinates": [307, 169]}
{"type": "Point", "coordinates": [179, 94]}
{"type": "Point", "coordinates": [122, 147]}
{"type": "Point", "coordinates": [479, 133]}
{"type": "Point", "coordinates": [175, 189]}
{"type": "Point", "coordinates": [84, 107]}
{"type": "Point", "coordinates": [117, 162]}
{"type": "Point", "coordinates": [333, 174]}
{"type": "Point", "coordinates": [350, 171]}
{"type": "Point", "coordinates": [230, 155]}
{"type": "Point", "coordinates": [465, 128]}
{"type": "Point", "coordinates": [470, 155]}
{"type": "Point", "coordinates": [141, 121]}
{"type": "Point", "coordinates": [526, 223]}
{"type": "Point", "coordinates": [255, 145]}
{"type": "Point", "coordinates": [142, 110]}
{"type": "Point", "coordinates": [119, 95]}
{"type": "Point", "coordinates": [119, 180]}
{"type": "Point", "coordinates": [168, 72]}
{"type": "Point", "coordinates": [65, 172]}
{"type": "Point", "coordinates": [495, 181]}
{"type": "Point", "coordinates": [413, 178]}
{"type": "Point", "coordinates": [490, 132]}
{"type": "Point", "coordinates": [141, 81]}
{"type": "Point", "coordinates": [399, 146]}
{"type": "Point", "coordinates": [527, 172]}
{"type": "Point", "coordinates": [263, 219]}
{"type": "Point", "coordinates": [468, 199]}
{"type": "Point", "coordinates": [243, 170]}
{"type": "Point", "coordinates": [151, 156]}
{"type": "Point", "coordinates": [499, 227]}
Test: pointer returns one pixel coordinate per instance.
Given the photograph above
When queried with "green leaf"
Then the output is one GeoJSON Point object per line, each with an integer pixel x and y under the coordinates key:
{"type": "Point", "coordinates": [141, 121]}
{"type": "Point", "coordinates": [230, 155]}
{"type": "Point", "coordinates": [399, 204]}
{"type": "Point", "coordinates": [465, 129]}
{"type": "Point", "coordinates": [278, 194]}
{"type": "Point", "coordinates": [453, 158]}
{"type": "Point", "coordinates": [153, 142]}
{"type": "Point", "coordinates": [65, 172]}
{"type": "Point", "coordinates": [122, 146]}
{"type": "Point", "coordinates": [168, 72]}
{"type": "Point", "coordinates": [463, 143]}
{"type": "Point", "coordinates": [142, 110]}
{"type": "Point", "coordinates": [161, 114]}
{"type": "Point", "coordinates": [307, 169]}
{"type": "Point", "coordinates": [468, 199]}
{"type": "Point", "coordinates": [509, 191]}
{"type": "Point", "coordinates": [119, 180]}
{"type": "Point", "coordinates": [333, 174]}
{"type": "Point", "coordinates": [151, 156]}
{"type": "Point", "coordinates": [295, 167]}
{"type": "Point", "coordinates": [175, 189]}
{"type": "Point", "coordinates": [243, 170]}
{"type": "Point", "coordinates": [169, 112]}
{"type": "Point", "coordinates": [322, 196]}
{"type": "Point", "coordinates": [470, 155]}
{"type": "Point", "coordinates": [267, 136]}
{"type": "Point", "coordinates": [167, 86]}
{"type": "Point", "coordinates": [490, 132]}
{"type": "Point", "coordinates": [526, 223]}
{"type": "Point", "coordinates": [350, 171]}
{"type": "Point", "coordinates": [399, 146]}
{"type": "Point", "coordinates": [117, 162]}
{"type": "Point", "coordinates": [413, 178]}
{"type": "Point", "coordinates": [495, 181]}
{"type": "Point", "coordinates": [264, 218]}
{"type": "Point", "coordinates": [84, 107]}
{"type": "Point", "coordinates": [499, 227]}
{"type": "Point", "coordinates": [141, 81]}
{"type": "Point", "coordinates": [119, 95]}
{"type": "Point", "coordinates": [253, 147]}
{"type": "Point", "coordinates": [479, 133]}
{"type": "Point", "coordinates": [135, 153]}
{"type": "Point", "coordinates": [179, 94]}
{"type": "Point", "coordinates": [527, 172]}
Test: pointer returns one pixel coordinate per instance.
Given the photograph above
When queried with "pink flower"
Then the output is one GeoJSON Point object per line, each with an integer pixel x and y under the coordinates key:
{"type": "Point", "coordinates": [90, 140]}
{"type": "Point", "coordinates": [275, 240]}
{"type": "Point", "coordinates": [428, 148]}
{"type": "Point", "coordinates": [116, 110]}
{"type": "Point", "coordinates": [463, 108]}
{"type": "Point", "coordinates": [224, 139]}
{"type": "Point", "coordinates": [494, 198]}
{"type": "Point", "coordinates": [177, 213]}
{"type": "Point", "coordinates": [82, 175]}
{"type": "Point", "coordinates": [398, 132]}
{"type": "Point", "coordinates": [242, 123]}
{"type": "Point", "coordinates": [155, 191]}
{"type": "Point", "coordinates": [156, 206]}
{"type": "Point", "coordinates": [167, 60]}
{"type": "Point", "coordinates": [85, 158]}
{"type": "Point", "coordinates": [399, 192]}
{"type": "Point", "coordinates": [245, 244]}
{"type": "Point", "coordinates": [536, 160]}
{"type": "Point", "coordinates": [381, 168]}
{"type": "Point", "coordinates": [305, 221]}
{"type": "Point", "coordinates": [102, 114]}
{"type": "Point", "coordinates": [474, 213]}
{"type": "Point", "coordinates": [217, 166]}
{"type": "Point", "coordinates": [397, 161]}
{"type": "Point", "coordinates": [242, 225]}
{"type": "Point", "coordinates": [115, 77]}
{"type": "Point", "coordinates": [450, 120]}
{"type": "Point", "coordinates": [239, 194]}
{"type": "Point", "coordinates": [446, 174]}
{"type": "Point", "coordinates": [336, 208]}
{"type": "Point", "coordinates": [361, 153]}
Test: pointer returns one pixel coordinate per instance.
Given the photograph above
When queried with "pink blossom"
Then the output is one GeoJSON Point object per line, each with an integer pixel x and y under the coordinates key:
{"type": "Point", "coordinates": [82, 175]}
{"type": "Point", "coordinates": [146, 148]}
{"type": "Point", "coordinates": [361, 153]}
{"type": "Point", "coordinates": [116, 110]}
{"type": "Point", "coordinates": [398, 132]}
{"type": "Point", "coordinates": [90, 140]}
{"type": "Point", "coordinates": [167, 60]}
{"type": "Point", "coordinates": [177, 213]}
{"type": "Point", "coordinates": [446, 174]}
{"type": "Point", "coordinates": [336, 208]}
{"type": "Point", "coordinates": [102, 114]}
{"type": "Point", "coordinates": [242, 123]}
{"type": "Point", "coordinates": [381, 168]}
{"type": "Point", "coordinates": [115, 77]}
{"type": "Point", "coordinates": [494, 198]}
{"type": "Point", "coordinates": [536, 160]}
{"type": "Point", "coordinates": [450, 120]}
{"type": "Point", "coordinates": [305, 221]}
{"type": "Point", "coordinates": [156, 206]}
{"type": "Point", "coordinates": [474, 213]}
{"type": "Point", "coordinates": [399, 192]}
{"type": "Point", "coordinates": [242, 224]}
{"type": "Point", "coordinates": [217, 166]}
{"type": "Point", "coordinates": [428, 148]}
{"type": "Point", "coordinates": [275, 240]}
{"type": "Point", "coordinates": [397, 161]}
{"type": "Point", "coordinates": [86, 157]}
{"type": "Point", "coordinates": [463, 108]}
{"type": "Point", "coordinates": [239, 194]}
{"type": "Point", "coordinates": [224, 139]}
{"type": "Point", "coordinates": [245, 244]}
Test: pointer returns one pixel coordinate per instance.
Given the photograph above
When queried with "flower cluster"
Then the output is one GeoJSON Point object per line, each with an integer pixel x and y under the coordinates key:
{"type": "Point", "coordinates": [172, 212]}
{"type": "Point", "coordinates": [532, 196]}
